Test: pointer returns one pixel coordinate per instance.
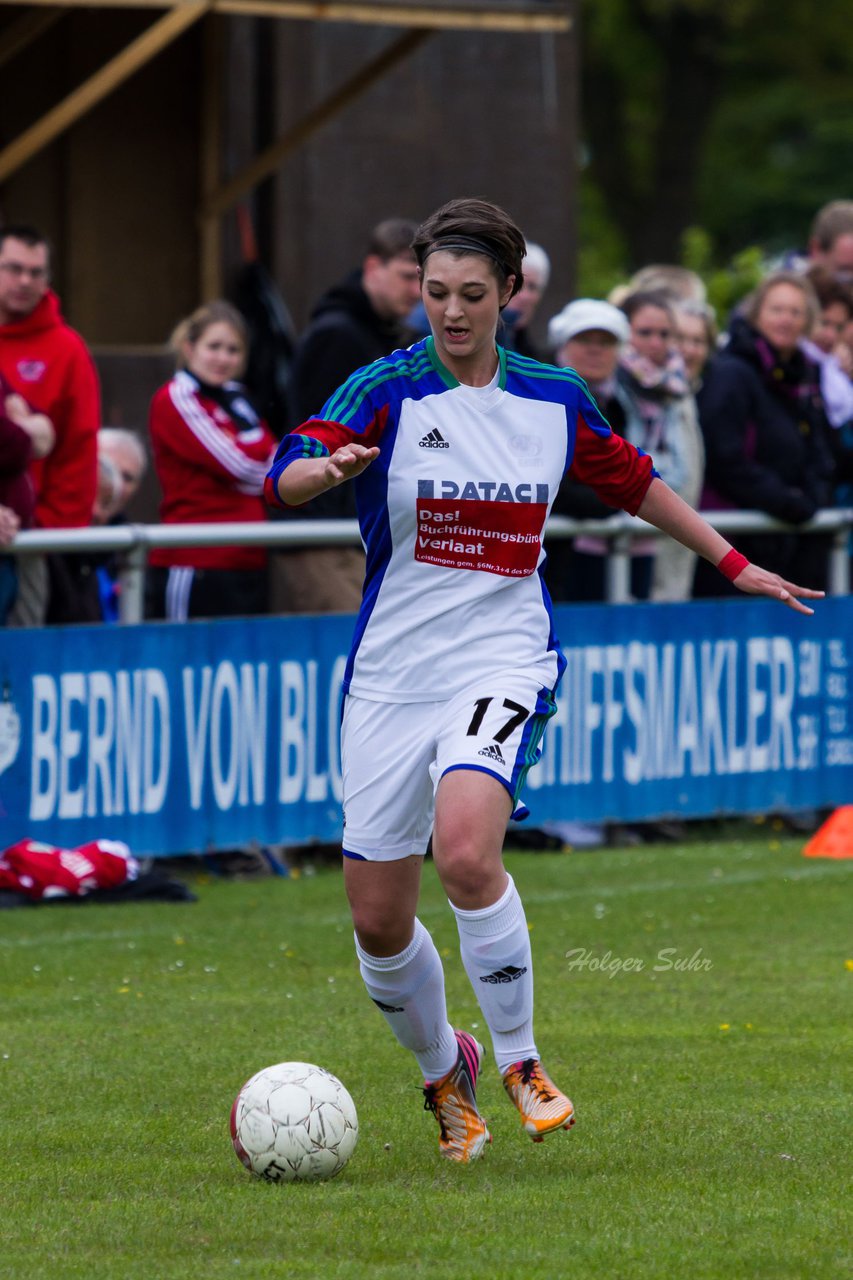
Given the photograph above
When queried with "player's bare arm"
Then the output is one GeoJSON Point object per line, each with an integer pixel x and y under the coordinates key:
{"type": "Point", "coordinates": [669, 513]}
{"type": "Point", "coordinates": [307, 478]}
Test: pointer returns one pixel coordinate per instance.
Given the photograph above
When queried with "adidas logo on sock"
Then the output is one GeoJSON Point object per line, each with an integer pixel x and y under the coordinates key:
{"type": "Point", "coordinates": [508, 974]}
{"type": "Point", "coordinates": [492, 752]}
{"type": "Point", "coordinates": [387, 1008]}
{"type": "Point", "coordinates": [433, 440]}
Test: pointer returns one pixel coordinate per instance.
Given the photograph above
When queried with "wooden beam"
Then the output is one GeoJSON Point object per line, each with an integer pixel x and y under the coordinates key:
{"type": "Point", "coordinates": [537, 18]}
{"type": "Point", "coordinates": [91, 4]}
{"type": "Point", "coordinates": [210, 224]}
{"type": "Point", "coordinates": [398, 15]}
{"type": "Point", "coordinates": [101, 84]}
{"type": "Point", "coordinates": [270, 159]}
{"type": "Point", "coordinates": [24, 30]}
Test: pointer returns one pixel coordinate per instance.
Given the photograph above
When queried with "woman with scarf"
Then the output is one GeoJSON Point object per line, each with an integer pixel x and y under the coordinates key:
{"type": "Point", "coordinates": [662, 421]}
{"type": "Point", "coordinates": [766, 432]}
{"type": "Point", "coordinates": [211, 453]}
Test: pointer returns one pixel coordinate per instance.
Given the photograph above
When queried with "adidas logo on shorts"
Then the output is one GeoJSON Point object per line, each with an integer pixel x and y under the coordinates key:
{"type": "Point", "coordinates": [433, 440]}
{"type": "Point", "coordinates": [492, 752]}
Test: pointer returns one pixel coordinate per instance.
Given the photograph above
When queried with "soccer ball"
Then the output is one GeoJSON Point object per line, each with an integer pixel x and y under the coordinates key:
{"type": "Point", "coordinates": [294, 1122]}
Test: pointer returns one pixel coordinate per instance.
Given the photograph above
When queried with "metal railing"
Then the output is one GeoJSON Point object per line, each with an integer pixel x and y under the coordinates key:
{"type": "Point", "coordinates": [134, 541]}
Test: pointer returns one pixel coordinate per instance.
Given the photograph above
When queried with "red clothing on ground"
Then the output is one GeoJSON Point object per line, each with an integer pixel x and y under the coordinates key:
{"type": "Point", "coordinates": [49, 364]}
{"type": "Point", "coordinates": [210, 470]}
{"type": "Point", "coordinates": [45, 871]}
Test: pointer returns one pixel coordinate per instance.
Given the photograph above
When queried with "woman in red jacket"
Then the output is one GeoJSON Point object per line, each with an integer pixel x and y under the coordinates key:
{"type": "Point", "coordinates": [211, 454]}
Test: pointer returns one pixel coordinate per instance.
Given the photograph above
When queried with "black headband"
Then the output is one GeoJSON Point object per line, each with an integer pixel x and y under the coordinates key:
{"type": "Point", "coordinates": [467, 244]}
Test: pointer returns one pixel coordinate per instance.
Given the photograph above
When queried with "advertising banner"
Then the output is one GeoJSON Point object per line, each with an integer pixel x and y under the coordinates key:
{"type": "Point", "coordinates": [207, 735]}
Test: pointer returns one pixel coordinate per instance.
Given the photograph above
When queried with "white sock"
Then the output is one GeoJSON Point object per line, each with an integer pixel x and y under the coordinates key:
{"type": "Point", "coordinates": [409, 992]}
{"type": "Point", "coordinates": [495, 948]}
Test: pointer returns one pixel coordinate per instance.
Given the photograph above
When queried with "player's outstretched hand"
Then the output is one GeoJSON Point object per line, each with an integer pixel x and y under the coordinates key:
{"type": "Point", "coordinates": [756, 581]}
{"type": "Point", "coordinates": [347, 462]}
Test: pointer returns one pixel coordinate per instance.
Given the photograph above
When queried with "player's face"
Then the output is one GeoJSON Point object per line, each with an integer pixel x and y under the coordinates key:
{"type": "Point", "coordinates": [782, 317]}
{"type": "Point", "coordinates": [217, 356]}
{"type": "Point", "coordinates": [462, 299]}
{"type": "Point", "coordinates": [23, 277]}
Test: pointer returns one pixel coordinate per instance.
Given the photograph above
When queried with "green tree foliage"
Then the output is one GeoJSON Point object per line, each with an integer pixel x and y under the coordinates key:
{"type": "Point", "coordinates": [733, 116]}
{"type": "Point", "coordinates": [728, 283]}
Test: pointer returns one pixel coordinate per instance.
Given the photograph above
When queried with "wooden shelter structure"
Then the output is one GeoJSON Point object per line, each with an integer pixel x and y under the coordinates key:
{"type": "Point", "coordinates": [132, 129]}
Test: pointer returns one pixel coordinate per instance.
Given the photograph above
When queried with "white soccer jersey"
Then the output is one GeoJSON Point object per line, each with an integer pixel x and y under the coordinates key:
{"type": "Point", "coordinates": [452, 513]}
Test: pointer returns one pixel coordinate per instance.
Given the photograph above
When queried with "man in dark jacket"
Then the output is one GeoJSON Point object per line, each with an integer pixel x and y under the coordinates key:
{"type": "Point", "coordinates": [356, 322]}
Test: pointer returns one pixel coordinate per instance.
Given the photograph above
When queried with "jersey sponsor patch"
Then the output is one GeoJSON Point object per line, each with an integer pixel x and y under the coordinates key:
{"type": "Point", "coordinates": [494, 537]}
{"type": "Point", "coordinates": [482, 491]}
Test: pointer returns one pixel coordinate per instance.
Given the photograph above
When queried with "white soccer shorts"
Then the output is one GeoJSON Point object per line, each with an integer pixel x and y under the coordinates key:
{"type": "Point", "coordinates": [395, 754]}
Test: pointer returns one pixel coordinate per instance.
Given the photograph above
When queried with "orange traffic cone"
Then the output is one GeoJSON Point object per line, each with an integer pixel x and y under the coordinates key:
{"type": "Point", "coordinates": [835, 838]}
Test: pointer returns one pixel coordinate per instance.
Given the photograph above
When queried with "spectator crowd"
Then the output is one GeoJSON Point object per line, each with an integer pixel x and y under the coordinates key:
{"type": "Point", "coordinates": [749, 411]}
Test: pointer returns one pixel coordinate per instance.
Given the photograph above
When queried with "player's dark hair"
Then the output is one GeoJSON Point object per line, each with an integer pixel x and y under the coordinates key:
{"type": "Point", "coordinates": [474, 226]}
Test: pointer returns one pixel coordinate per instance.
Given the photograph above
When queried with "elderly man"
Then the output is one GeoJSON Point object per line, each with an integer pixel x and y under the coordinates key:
{"type": "Point", "coordinates": [121, 452]}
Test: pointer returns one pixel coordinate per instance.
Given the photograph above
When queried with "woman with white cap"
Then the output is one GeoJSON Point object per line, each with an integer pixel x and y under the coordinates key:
{"type": "Point", "coordinates": [587, 336]}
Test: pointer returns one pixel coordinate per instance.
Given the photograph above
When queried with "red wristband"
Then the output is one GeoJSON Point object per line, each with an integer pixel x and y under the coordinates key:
{"type": "Point", "coordinates": [732, 564]}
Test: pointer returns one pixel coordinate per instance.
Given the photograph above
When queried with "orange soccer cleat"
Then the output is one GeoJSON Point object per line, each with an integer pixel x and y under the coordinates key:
{"type": "Point", "coordinates": [453, 1102]}
{"type": "Point", "coordinates": [543, 1108]}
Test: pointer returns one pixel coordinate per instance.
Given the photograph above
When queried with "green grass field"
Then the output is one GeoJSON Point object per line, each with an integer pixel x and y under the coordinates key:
{"type": "Point", "coordinates": [713, 1133]}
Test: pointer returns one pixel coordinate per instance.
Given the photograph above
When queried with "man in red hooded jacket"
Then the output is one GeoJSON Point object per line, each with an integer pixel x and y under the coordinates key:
{"type": "Point", "coordinates": [46, 362]}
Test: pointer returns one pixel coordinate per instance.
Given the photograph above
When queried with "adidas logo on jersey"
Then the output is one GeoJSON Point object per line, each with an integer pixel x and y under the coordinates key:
{"type": "Point", "coordinates": [508, 974]}
{"type": "Point", "coordinates": [492, 752]}
{"type": "Point", "coordinates": [433, 440]}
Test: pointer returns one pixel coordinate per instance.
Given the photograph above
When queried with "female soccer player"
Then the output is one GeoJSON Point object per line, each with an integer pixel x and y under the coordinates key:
{"type": "Point", "coordinates": [457, 449]}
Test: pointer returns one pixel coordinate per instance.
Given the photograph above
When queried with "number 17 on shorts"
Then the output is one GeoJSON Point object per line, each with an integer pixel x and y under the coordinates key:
{"type": "Point", "coordinates": [496, 726]}
{"type": "Point", "coordinates": [394, 756]}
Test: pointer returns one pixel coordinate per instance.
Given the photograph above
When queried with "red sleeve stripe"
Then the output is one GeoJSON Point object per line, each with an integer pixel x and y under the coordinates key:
{"type": "Point", "coordinates": [334, 434]}
{"type": "Point", "coordinates": [617, 471]}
